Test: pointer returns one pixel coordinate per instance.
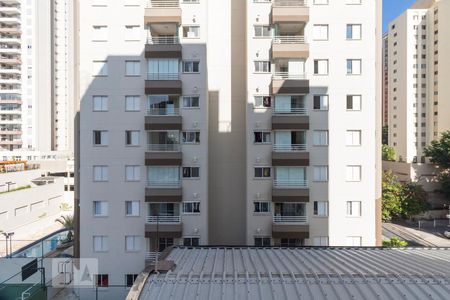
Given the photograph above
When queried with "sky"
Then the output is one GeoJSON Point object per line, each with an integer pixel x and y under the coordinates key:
{"type": "Point", "coordinates": [392, 9]}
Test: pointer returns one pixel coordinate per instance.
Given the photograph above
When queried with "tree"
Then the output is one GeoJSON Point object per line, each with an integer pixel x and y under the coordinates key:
{"type": "Point", "coordinates": [414, 200]}
{"type": "Point", "coordinates": [391, 201]}
{"type": "Point", "coordinates": [439, 151]}
{"type": "Point", "coordinates": [66, 221]}
{"type": "Point", "coordinates": [444, 180]}
{"type": "Point", "coordinates": [388, 153]}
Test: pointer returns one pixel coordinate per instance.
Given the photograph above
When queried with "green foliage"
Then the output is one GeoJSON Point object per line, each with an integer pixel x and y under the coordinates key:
{"type": "Point", "coordinates": [391, 196]}
{"type": "Point", "coordinates": [444, 179]}
{"type": "Point", "coordinates": [439, 151]}
{"type": "Point", "coordinates": [395, 242]}
{"type": "Point", "coordinates": [414, 200]}
{"type": "Point", "coordinates": [66, 221]}
{"type": "Point", "coordinates": [388, 153]}
{"type": "Point", "coordinates": [401, 200]}
{"type": "Point", "coordinates": [385, 135]}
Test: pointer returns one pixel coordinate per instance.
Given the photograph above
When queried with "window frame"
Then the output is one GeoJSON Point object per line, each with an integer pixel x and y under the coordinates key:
{"type": "Point", "coordinates": [193, 205]}
{"type": "Point", "coordinates": [316, 210]}
{"type": "Point", "coordinates": [263, 169]}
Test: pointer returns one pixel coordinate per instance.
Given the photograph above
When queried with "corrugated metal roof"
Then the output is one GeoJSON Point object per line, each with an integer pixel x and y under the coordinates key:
{"type": "Point", "coordinates": [303, 273]}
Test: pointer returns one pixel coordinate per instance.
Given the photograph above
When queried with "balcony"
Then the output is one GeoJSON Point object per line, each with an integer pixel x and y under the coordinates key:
{"type": "Point", "coordinates": [163, 84]}
{"type": "Point", "coordinates": [289, 147]}
{"type": "Point", "coordinates": [290, 121]}
{"type": "Point", "coordinates": [10, 61]}
{"type": "Point", "coordinates": [174, 183]}
{"type": "Point", "coordinates": [163, 220]}
{"type": "Point", "coordinates": [290, 230]}
{"type": "Point", "coordinates": [290, 11]}
{"type": "Point", "coordinates": [163, 47]}
{"type": "Point", "coordinates": [278, 219]}
{"type": "Point", "coordinates": [289, 47]}
{"type": "Point", "coordinates": [290, 195]}
{"type": "Point", "coordinates": [281, 183]}
{"type": "Point", "coordinates": [171, 195]}
{"type": "Point", "coordinates": [288, 83]}
{"type": "Point", "coordinates": [289, 157]}
{"type": "Point", "coordinates": [163, 11]}
{"type": "Point", "coordinates": [163, 230]}
{"type": "Point", "coordinates": [163, 155]}
{"type": "Point", "coordinates": [163, 119]}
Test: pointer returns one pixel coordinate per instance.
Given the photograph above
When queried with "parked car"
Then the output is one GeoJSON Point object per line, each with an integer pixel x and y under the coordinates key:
{"type": "Point", "coordinates": [447, 234]}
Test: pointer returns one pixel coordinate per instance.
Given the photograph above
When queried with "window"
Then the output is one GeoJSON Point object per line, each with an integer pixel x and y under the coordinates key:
{"type": "Point", "coordinates": [191, 101]}
{"type": "Point", "coordinates": [100, 208]}
{"type": "Point", "coordinates": [191, 137]}
{"type": "Point", "coordinates": [164, 243]}
{"type": "Point", "coordinates": [320, 102]}
{"type": "Point", "coordinates": [354, 241]}
{"type": "Point", "coordinates": [354, 102]}
{"type": "Point", "coordinates": [262, 66]}
{"type": "Point", "coordinates": [100, 33]}
{"type": "Point", "coordinates": [165, 176]}
{"type": "Point", "coordinates": [130, 279]}
{"type": "Point", "coordinates": [191, 32]}
{"type": "Point", "coordinates": [353, 173]}
{"type": "Point", "coordinates": [321, 208]}
{"type": "Point", "coordinates": [191, 172]}
{"type": "Point", "coordinates": [100, 173]}
{"type": "Point", "coordinates": [132, 137]}
{"type": "Point", "coordinates": [262, 102]}
{"type": "Point", "coordinates": [163, 69]}
{"type": "Point", "coordinates": [262, 172]}
{"type": "Point", "coordinates": [132, 243]}
{"type": "Point", "coordinates": [100, 137]}
{"type": "Point", "coordinates": [191, 241]}
{"type": "Point", "coordinates": [102, 280]}
{"type": "Point", "coordinates": [320, 32]}
{"type": "Point", "coordinates": [191, 67]}
{"type": "Point", "coordinates": [354, 208]}
{"type": "Point", "coordinates": [132, 173]}
{"type": "Point", "coordinates": [100, 103]}
{"type": "Point", "coordinates": [132, 33]}
{"type": "Point", "coordinates": [262, 31]}
{"type": "Point", "coordinates": [262, 241]}
{"type": "Point", "coordinates": [320, 241]}
{"type": "Point", "coordinates": [261, 137]}
{"type": "Point", "coordinates": [353, 67]}
{"type": "Point", "coordinates": [191, 207]}
{"type": "Point", "coordinates": [321, 173]}
{"type": "Point", "coordinates": [100, 243]}
{"type": "Point", "coordinates": [292, 242]}
{"type": "Point", "coordinates": [321, 67]}
{"type": "Point", "coordinates": [132, 68]}
{"type": "Point", "coordinates": [261, 207]}
{"type": "Point", "coordinates": [353, 138]}
{"type": "Point", "coordinates": [320, 137]}
{"type": "Point", "coordinates": [132, 208]}
{"type": "Point", "coordinates": [353, 31]}
{"type": "Point", "coordinates": [132, 103]}
{"type": "Point", "coordinates": [100, 68]}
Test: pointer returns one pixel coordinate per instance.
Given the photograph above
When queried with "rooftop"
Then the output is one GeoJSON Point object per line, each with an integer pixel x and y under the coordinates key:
{"type": "Point", "coordinates": [302, 273]}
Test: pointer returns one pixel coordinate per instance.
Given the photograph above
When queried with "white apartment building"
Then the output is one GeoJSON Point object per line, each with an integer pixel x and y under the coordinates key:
{"type": "Point", "coordinates": [226, 123]}
{"type": "Point", "coordinates": [36, 69]}
{"type": "Point", "coordinates": [418, 105]}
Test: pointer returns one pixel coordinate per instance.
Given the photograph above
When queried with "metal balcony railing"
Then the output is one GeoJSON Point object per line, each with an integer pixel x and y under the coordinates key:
{"type": "Point", "coordinates": [163, 76]}
{"type": "Point", "coordinates": [290, 183]}
{"type": "Point", "coordinates": [292, 39]}
{"type": "Point", "coordinates": [163, 111]}
{"type": "Point", "coordinates": [163, 219]}
{"type": "Point", "coordinates": [290, 111]}
{"type": "Point", "coordinates": [164, 3]}
{"type": "Point", "coordinates": [287, 75]}
{"type": "Point", "coordinates": [164, 147]}
{"type": "Point", "coordinates": [290, 219]}
{"type": "Point", "coordinates": [152, 255]}
{"type": "Point", "coordinates": [164, 183]}
{"type": "Point", "coordinates": [163, 40]}
{"type": "Point", "coordinates": [289, 147]}
{"type": "Point", "coordinates": [294, 3]}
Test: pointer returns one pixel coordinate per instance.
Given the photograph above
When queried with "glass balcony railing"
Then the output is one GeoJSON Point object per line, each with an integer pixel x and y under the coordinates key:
{"type": "Point", "coordinates": [163, 147]}
{"type": "Point", "coordinates": [164, 111]}
{"type": "Point", "coordinates": [289, 147]}
{"type": "Point", "coordinates": [164, 3]}
{"type": "Point", "coordinates": [163, 219]}
{"type": "Point", "coordinates": [289, 183]}
{"type": "Point", "coordinates": [290, 219]}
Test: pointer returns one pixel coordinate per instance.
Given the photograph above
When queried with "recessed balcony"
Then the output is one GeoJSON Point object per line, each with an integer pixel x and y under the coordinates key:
{"type": "Point", "coordinates": [290, 195]}
{"type": "Point", "coordinates": [163, 47]}
{"type": "Point", "coordinates": [290, 11]}
{"type": "Point", "coordinates": [157, 194]}
{"type": "Point", "coordinates": [163, 155]}
{"type": "Point", "coordinates": [289, 47]}
{"type": "Point", "coordinates": [288, 83]}
{"type": "Point", "coordinates": [163, 11]}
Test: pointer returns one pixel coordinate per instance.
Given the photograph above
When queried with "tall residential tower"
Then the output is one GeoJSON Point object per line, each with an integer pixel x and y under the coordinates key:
{"type": "Point", "coordinates": [226, 123]}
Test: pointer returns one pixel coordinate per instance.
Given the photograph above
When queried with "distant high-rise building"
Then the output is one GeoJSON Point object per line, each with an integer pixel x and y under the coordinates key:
{"type": "Point", "coordinates": [418, 60]}
{"type": "Point", "coordinates": [226, 123]}
{"type": "Point", "coordinates": [36, 69]}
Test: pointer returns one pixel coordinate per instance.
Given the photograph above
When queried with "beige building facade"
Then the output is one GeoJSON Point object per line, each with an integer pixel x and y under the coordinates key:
{"type": "Point", "coordinates": [226, 123]}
